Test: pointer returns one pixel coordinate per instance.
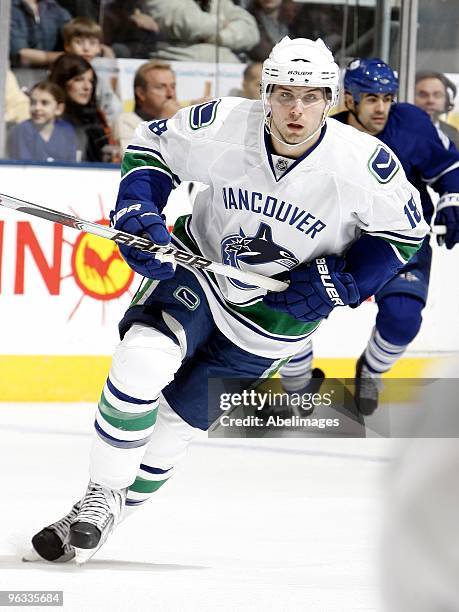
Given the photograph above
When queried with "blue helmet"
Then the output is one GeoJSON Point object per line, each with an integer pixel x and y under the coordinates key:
{"type": "Point", "coordinates": [369, 76]}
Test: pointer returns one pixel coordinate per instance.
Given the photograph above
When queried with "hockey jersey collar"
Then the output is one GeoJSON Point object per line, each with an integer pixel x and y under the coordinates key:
{"type": "Point", "coordinates": [270, 152]}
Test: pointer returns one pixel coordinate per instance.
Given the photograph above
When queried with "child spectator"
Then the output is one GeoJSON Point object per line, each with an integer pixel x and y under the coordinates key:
{"type": "Point", "coordinates": [78, 80]}
{"type": "Point", "coordinates": [83, 37]}
{"type": "Point", "coordinates": [35, 29]}
{"type": "Point", "coordinates": [45, 137]}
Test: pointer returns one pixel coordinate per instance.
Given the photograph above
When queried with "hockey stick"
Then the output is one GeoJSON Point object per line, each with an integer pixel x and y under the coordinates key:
{"type": "Point", "coordinates": [182, 257]}
{"type": "Point", "coordinates": [438, 230]}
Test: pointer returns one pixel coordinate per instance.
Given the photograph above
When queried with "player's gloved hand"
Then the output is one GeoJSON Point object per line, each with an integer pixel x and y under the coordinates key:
{"type": "Point", "coordinates": [143, 219]}
{"type": "Point", "coordinates": [315, 290]}
{"type": "Point", "coordinates": [448, 214]}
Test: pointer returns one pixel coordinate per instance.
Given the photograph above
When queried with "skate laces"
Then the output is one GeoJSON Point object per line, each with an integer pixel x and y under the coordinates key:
{"type": "Point", "coordinates": [61, 527]}
{"type": "Point", "coordinates": [99, 505]}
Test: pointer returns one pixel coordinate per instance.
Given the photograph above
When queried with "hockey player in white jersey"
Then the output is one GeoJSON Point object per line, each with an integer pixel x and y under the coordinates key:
{"type": "Point", "coordinates": [288, 193]}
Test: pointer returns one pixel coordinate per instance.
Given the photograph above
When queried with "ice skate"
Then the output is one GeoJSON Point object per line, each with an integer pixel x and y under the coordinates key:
{"type": "Point", "coordinates": [302, 385]}
{"type": "Point", "coordinates": [100, 512]}
{"type": "Point", "coordinates": [367, 387]}
{"type": "Point", "coordinates": [51, 543]}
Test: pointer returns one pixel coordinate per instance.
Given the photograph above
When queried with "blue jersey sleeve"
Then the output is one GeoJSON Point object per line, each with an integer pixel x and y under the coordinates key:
{"type": "Point", "coordinates": [436, 165]}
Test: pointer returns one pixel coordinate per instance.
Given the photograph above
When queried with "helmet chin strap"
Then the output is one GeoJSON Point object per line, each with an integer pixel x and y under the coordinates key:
{"type": "Point", "coordinates": [268, 121]}
{"type": "Point", "coordinates": [354, 114]}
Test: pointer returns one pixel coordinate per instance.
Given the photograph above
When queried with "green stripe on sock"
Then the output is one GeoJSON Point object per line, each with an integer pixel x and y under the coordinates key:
{"type": "Point", "coordinates": [127, 421]}
{"type": "Point", "coordinates": [141, 485]}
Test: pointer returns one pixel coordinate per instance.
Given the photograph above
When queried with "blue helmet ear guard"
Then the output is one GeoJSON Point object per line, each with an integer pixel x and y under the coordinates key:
{"type": "Point", "coordinates": [369, 76]}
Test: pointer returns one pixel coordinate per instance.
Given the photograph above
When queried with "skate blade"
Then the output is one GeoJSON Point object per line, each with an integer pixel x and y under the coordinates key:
{"type": "Point", "coordinates": [82, 555]}
{"type": "Point", "coordinates": [32, 556]}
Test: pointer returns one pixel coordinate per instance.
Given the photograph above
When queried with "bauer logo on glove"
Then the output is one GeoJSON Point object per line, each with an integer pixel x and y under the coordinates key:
{"type": "Point", "coordinates": [315, 290]}
{"type": "Point", "coordinates": [327, 282]}
{"type": "Point", "coordinates": [144, 220]}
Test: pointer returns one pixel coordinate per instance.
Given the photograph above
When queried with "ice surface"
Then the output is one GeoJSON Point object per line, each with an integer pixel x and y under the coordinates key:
{"type": "Point", "coordinates": [244, 525]}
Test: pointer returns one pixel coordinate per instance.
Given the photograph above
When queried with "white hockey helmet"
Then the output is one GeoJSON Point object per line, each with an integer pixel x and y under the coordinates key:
{"type": "Point", "coordinates": [301, 62]}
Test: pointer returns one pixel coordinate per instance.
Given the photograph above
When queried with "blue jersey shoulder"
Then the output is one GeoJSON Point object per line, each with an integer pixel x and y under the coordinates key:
{"type": "Point", "coordinates": [408, 121]}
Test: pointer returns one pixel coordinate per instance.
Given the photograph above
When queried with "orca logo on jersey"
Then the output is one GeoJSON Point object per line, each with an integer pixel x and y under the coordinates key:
{"type": "Point", "coordinates": [255, 250]}
{"type": "Point", "coordinates": [383, 165]}
{"type": "Point", "coordinates": [325, 277]}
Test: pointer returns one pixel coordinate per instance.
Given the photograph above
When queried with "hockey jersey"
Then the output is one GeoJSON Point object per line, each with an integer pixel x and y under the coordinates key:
{"type": "Point", "coordinates": [410, 133]}
{"type": "Point", "coordinates": [254, 218]}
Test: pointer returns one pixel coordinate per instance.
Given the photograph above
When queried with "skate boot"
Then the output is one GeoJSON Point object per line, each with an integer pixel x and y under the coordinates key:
{"type": "Point", "coordinates": [302, 385]}
{"type": "Point", "coordinates": [367, 387]}
{"type": "Point", "coordinates": [51, 543]}
{"type": "Point", "coordinates": [100, 512]}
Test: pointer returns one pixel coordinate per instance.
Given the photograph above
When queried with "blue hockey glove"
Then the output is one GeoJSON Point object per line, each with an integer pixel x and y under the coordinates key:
{"type": "Point", "coordinates": [315, 290]}
{"type": "Point", "coordinates": [143, 219]}
{"type": "Point", "coordinates": [448, 214]}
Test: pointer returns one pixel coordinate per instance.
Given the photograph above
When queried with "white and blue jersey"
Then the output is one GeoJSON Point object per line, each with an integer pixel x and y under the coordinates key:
{"type": "Point", "coordinates": [255, 218]}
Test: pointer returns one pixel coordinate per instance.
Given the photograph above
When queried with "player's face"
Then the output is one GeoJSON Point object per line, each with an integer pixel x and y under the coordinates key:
{"type": "Point", "coordinates": [372, 111]}
{"type": "Point", "coordinates": [296, 112]}
{"type": "Point", "coordinates": [430, 95]}
{"type": "Point", "coordinates": [44, 107]}
{"type": "Point", "coordinates": [80, 88]}
{"type": "Point", "coordinates": [158, 94]}
{"type": "Point", "coordinates": [84, 46]}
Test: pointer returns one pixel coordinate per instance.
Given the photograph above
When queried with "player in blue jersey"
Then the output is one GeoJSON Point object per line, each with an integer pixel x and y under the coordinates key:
{"type": "Point", "coordinates": [370, 87]}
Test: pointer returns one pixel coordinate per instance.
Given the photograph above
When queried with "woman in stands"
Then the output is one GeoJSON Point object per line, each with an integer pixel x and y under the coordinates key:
{"type": "Point", "coordinates": [78, 80]}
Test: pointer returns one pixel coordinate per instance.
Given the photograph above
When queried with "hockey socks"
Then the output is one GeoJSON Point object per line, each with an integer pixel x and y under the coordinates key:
{"type": "Point", "coordinates": [381, 355]}
{"type": "Point", "coordinates": [297, 373]}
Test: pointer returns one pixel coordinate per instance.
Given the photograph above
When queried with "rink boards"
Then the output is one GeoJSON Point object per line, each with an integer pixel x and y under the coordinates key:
{"type": "Point", "coordinates": [63, 292]}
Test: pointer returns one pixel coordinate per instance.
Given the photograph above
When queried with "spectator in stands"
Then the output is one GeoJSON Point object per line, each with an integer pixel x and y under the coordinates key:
{"type": "Point", "coordinates": [17, 106]}
{"type": "Point", "coordinates": [251, 82]}
{"type": "Point", "coordinates": [79, 81]}
{"type": "Point", "coordinates": [129, 30]}
{"type": "Point", "coordinates": [435, 94]}
{"type": "Point", "coordinates": [46, 136]}
{"type": "Point", "coordinates": [35, 32]}
{"type": "Point", "coordinates": [155, 98]}
{"type": "Point", "coordinates": [84, 8]}
{"type": "Point", "coordinates": [192, 31]}
{"type": "Point", "coordinates": [273, 18]}
{"type": "Point", "coordinates": [324, 20]}
{"type": "Point", "coordinates": [83, 37]}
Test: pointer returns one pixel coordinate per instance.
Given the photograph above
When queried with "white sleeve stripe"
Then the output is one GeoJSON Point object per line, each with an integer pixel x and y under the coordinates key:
{"type": "Point", "coordinates": [435, 178]}
{"type": "Point", "coordinates": [405, 240]}
{"type": "Point", "coordinates": [396, 251]}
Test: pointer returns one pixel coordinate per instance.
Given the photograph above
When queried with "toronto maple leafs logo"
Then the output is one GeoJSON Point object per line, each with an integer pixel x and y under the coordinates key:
{"type": "Point", "coordinates": [240, 249]}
